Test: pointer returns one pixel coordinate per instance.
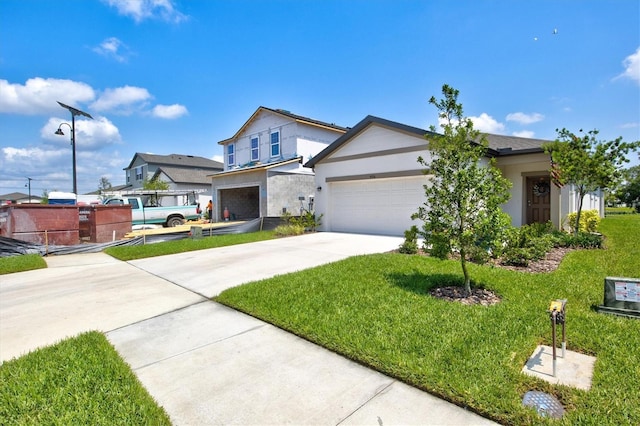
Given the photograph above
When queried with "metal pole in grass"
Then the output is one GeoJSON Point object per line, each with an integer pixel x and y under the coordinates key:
{"type": "Point", "coordinates": [557, 315]}
{"type": "Point", "coordinates": [553, 338]}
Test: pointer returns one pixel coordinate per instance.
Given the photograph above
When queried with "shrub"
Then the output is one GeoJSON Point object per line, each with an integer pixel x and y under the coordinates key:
{"type": "Point", "coordinates": [582, 240]}
{"type": "Point", "coordinates": [410, 244]}
{"type": "Point", "coordinates": [288, 230]}
{"type": "Point", "coordinates": [589, 221]}
{"type": "Point", "coordinates": [527, 243]}
{"type": "Point", "coordinates": [308, 220]}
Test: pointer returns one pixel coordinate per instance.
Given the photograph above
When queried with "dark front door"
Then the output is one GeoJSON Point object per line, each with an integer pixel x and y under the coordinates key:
{"type": "Point", "coordinates": [538, 198]}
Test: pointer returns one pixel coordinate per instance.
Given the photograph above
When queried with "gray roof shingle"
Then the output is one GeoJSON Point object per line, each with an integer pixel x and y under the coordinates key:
{"type": "Point", "coordinates": [185, 175]}
{"type": "Point", "coordinates": [179, 160]}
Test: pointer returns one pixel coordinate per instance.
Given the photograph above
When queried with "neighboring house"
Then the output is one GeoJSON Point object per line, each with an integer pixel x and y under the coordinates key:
{"type": "Point", "coordinates": [369, 180]}
{"type": "Point", "coordinates": [19, 198]}
{"type": "Point", "coordinates": [180, 171]}
{"type": "Point", "coordinates": [263, 174]}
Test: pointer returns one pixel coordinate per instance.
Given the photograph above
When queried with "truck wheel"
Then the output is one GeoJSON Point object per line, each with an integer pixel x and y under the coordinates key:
{"type": "Point", "coordinates": [174, 221]}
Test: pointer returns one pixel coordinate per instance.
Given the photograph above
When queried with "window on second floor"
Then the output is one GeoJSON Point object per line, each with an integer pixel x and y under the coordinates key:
{"type": "Point", "coordinates": [231, 154]}
{"type": "Point", "coordinates": [139, 173]}
{"type": "Point", "coordinates": [255, 148]}
{"type": "Point", "coordinates": [275, 144]}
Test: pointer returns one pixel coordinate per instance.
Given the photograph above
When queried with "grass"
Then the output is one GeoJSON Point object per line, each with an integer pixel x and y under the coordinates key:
{"type": "Point", "coordinates": [376, 310]}
{"type": "Point", "coordinates": [9, 265]}
{"type": "Point", "coordinates": [619, 210]}
{"type": "Point", "coordinates": [77, 381]}
{"type": "Point", "coordinates": [27, 262]}
{"type": "Point", "coordinates": [187, 244]}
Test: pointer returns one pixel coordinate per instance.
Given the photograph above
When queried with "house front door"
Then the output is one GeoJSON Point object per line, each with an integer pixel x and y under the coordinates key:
{"type": "Point", "coordinates": [538, 199]}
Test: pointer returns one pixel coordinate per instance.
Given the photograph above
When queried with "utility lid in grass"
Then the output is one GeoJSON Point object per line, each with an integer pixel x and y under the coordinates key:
{"type": "Point", "coordinates": [545, 404]}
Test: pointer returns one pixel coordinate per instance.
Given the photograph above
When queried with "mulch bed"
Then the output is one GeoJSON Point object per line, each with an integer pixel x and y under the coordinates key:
{"type": "Point", "coordinates": [484, 297]}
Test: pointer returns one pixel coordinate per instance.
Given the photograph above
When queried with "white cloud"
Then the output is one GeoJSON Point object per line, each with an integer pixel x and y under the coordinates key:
{"type": "Point", "coordinates": [218, 158]}
{"type": "Point", "coordinates": [112, 47]}
{"type": "Point", "coordinates": [169, 111]}
{"type": "Point", "coordinates": [91, 135]}
{"type": "Point", "coordinates": [39, 95]}
{"type": "Point", "coordinates": [629, 125]}
{"type": "Point", "coordinates": [122, 99]}
{"type": "Point", "coordinates": [140, 10]}
{"type": "Point", "coordinates": [632, 67]}
{"type": "Point", "coordinates": [524, 134]}
{"type": "Point", "coordinates": [51, 168]}
{"type": "Point", "coordinates": [522, 118]}
{"type": "Point", "coordinates": [487, 124]}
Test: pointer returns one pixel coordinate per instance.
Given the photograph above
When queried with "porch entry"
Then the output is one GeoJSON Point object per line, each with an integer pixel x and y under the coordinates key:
{"type": "Point", "coordinates": [538, 199]}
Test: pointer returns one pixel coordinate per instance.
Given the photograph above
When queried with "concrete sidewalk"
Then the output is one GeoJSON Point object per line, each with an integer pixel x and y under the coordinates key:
{"type": "Point", "coordinates": [203, 362]}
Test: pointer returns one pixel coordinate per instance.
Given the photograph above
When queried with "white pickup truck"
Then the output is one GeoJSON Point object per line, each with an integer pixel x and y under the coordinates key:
{"type": "Point", "coordinates": [146, 210]}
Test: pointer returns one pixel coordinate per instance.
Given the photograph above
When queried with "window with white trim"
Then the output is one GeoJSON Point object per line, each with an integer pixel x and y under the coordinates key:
{"type": "Point", "coordinates": [139, 173]}
{"type": "Point", "coordinates": [231, 154]}
{"type": "Point", "coordinates": [255, 148]}
{"type": "Point", "coordinates": [275, 144]}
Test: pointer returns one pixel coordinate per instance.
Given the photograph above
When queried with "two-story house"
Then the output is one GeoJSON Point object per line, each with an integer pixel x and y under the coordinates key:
{"type": "Point", "coordinates": [263, 172]}
{"type": "Point", "coordinates": [182, 172]}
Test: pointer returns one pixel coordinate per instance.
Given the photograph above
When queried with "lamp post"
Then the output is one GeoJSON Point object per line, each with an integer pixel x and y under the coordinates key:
{"type": "Point", "coordinates": [29, 179]}
{"type": "Point", "coordinates": [74, 112]}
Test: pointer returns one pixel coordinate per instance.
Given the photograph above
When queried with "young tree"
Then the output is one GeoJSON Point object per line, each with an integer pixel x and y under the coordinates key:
{"type": "Point", "coordinates": [587, 163]}
{"type": "Point", "coordinates": [44, 199]}
{"type": "Point", "coordinates": [104, 185]}
{"type": "Point", "coordinates": [462, 212]}
{"type": "Point", "coordinates": [156, 184]}
{"type": "Point", "coordinates": [629, 191]}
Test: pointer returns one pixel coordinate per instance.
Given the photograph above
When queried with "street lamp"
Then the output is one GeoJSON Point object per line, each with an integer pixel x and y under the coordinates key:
{"type": "Point", "coordinates": [29, 179]}
{"type": "Point", "coordinates": [74, 112]}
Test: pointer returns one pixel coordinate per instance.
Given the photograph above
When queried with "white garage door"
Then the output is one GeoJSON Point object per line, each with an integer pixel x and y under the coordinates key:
{"type": "Point", "coordinates": [375, 206]}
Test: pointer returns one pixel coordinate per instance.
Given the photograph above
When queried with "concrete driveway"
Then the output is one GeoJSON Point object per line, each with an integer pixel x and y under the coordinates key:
{"type": "Point", "coordinates": [209, 272]}
{"type": "Point", "coordinates": [203, 362]}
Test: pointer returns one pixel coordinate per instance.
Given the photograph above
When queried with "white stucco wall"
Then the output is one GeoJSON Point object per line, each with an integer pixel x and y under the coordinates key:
{"type": "Point", "coordinates": [379, 152]}
{"type": "Point", "coordinates": [296, 139]}
{"type": "Point", "coordinates": [375, 153]}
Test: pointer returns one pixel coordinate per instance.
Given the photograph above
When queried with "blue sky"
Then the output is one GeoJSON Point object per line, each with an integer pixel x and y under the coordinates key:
{"type": "Point", "coordinates": [177, 76]}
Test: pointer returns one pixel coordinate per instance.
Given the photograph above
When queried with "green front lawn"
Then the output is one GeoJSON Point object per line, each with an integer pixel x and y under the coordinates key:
{"type": "Point", "coordinates": [376, 309]}
{"type": "Point", "coordinates": [79, 381]}
{"type": "Point", "coordinates": [180, 246]}
{"type": "Point", "coordinates": [26, 262]}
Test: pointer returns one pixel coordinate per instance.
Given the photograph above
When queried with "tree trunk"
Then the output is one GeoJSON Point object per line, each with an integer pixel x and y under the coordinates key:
{"type": "Point", "coordinates": [581, 195]}
{"type": "Point", "coordinates": [467, 280]}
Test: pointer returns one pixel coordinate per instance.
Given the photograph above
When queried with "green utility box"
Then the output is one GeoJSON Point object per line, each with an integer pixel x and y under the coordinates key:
{"type": "Point", "coordinates": [621, 297]}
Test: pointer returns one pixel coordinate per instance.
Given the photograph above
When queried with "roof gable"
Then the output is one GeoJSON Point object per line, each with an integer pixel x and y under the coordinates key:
{"type": "Point", "coordinates": [286, 114]}
{"type": "Point", "coordinates": [499, 145]}
{"type": "Point", "coordinates": [360, 128]}
{"type": "Point", "coordinates": [184, 175]}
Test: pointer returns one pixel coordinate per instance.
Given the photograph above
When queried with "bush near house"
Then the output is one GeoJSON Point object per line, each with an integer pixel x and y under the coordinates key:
{"type": "Point", "coordinates": [297, 225]}
{"type": "Point", "coordinates": [589, 221]}
{"type": "Point", "coordinates": [527, 243]}
{"type": "Point", "coordinates": [410, 244]}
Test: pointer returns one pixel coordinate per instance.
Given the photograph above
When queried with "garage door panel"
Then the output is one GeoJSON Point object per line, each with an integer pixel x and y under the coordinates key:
{"type": "Point", "coordinates": [376, 206]}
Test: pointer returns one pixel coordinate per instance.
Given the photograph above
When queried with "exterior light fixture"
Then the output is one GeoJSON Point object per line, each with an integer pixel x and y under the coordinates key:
{"type": "Point", "coordinates": [74, 112]}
